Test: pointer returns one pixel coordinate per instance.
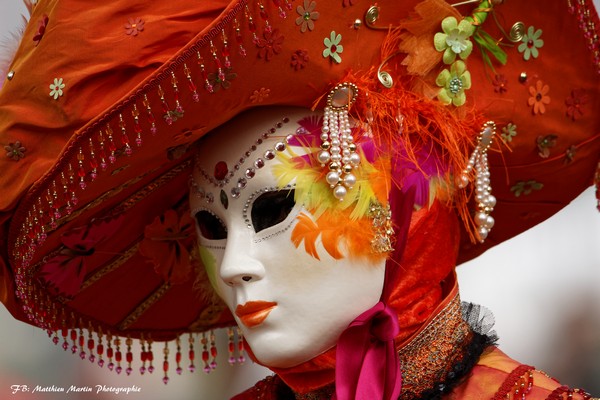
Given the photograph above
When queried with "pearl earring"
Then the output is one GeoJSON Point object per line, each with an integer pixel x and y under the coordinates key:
{"type": "Point", "coordinates": [483, 190]}
{"type": "Point", "coordinates": [338, 151]}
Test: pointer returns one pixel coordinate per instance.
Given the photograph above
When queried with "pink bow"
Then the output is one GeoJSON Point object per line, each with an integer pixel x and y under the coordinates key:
{"type": "Point", "coordinates": [367, 366]}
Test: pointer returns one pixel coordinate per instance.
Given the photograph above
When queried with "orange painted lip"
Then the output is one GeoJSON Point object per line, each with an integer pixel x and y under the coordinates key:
{"type": "Point", "coordinates": [253, 313]}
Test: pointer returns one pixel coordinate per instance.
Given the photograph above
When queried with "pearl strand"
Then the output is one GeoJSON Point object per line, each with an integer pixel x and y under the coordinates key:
{"type": "Point", "coordinates": [483, 189]}
{"type": "Point", "coordinates": [338, 150]}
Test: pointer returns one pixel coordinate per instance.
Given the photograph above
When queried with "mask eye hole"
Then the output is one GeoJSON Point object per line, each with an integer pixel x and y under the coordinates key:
{"type": "Point", "coordinates": [211, 227]}
{"type": "Point", "coordinates": [271, 208]}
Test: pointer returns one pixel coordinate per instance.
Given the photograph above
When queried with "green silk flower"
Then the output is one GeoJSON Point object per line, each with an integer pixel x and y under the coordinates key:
{"type": "Point", "coordinates": [455, 39]}
{"type": "Point", "coordinates": [531, 42]}
{"type": "Point", "coordinates": [333, 48]}
{"type": "Point", "coordinates": [453, 84]}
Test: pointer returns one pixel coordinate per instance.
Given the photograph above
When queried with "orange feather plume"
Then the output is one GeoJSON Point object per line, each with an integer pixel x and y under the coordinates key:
{"type": "Point", "coordinates": [335, 230]}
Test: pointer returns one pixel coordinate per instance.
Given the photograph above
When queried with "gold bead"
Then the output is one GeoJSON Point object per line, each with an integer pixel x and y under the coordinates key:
{"type": "Point", "coordinates": [523, 77]}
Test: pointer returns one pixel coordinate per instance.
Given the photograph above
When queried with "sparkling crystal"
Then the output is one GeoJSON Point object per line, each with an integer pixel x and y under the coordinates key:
{"type": "Point", "coordinates": [455, 85]}
{"type": "Point", "coordinates": [280, 146]}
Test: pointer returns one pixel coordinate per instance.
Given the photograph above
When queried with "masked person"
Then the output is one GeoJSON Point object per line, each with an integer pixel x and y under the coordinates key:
{"type": "Point", "coordinates": [330, 236]}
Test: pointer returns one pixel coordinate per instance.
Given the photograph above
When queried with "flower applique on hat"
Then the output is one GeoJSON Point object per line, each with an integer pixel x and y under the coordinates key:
{"type": "Point", "coordinates": [56, 88]}
{"type": "Point", "coordinates": [15, 151]}
{"type": "Point", "coordinates": [333, 47]}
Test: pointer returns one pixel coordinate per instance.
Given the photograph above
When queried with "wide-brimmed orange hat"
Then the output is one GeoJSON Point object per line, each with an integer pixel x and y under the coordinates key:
{"type": "Point", "coordinates": [101, 106]}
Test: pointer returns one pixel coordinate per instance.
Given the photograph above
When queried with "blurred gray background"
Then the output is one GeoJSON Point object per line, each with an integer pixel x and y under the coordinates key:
{"type": "Point", "coordinates": [542, 286]}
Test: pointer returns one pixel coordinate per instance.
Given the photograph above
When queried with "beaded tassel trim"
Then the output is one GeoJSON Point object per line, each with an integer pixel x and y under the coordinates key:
{"type": "Point", "coordinates": [588, 24]}
{"type": "Point", "coordinates": [102, 150]}
{"type": "Point", "coordinates": [117, 136]}
{"type": "Point", "coordinates": [124, 354]}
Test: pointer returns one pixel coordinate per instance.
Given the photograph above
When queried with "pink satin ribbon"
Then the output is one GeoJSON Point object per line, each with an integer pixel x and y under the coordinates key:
{"type": "Point", "coordinates": [367, 366]}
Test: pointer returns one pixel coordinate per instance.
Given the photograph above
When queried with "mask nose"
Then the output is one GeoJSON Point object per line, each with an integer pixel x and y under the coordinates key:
{"type": "Point", "coordinates": [239, 265]}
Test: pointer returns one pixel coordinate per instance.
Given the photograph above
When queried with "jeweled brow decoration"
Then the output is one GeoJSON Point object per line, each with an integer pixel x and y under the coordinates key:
{"type": "Point", "coordinates": [248, 173]}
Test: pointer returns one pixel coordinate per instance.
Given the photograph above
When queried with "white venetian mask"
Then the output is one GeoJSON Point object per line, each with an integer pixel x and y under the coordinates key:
{"type": "Point", "coordinates": [290, 305]}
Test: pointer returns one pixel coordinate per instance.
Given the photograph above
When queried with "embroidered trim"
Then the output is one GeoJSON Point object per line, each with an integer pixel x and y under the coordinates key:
{"type": "Point", "coordinates": [71, 176]}
{"type": "Point", "coordinates": [142, 308]}
{"type": "Point", "coordinates": [516, 381]}
{"type": "Point", "coordinates": [99, 274]}
{"type": "Point", "coordinates": [122, 207]}
{"type": "Point", "coordinates": [587, 19]}
{"type": "Point", "coordinates": [429, 358]}
{"type": "Point", "coordinates": [320, 394]}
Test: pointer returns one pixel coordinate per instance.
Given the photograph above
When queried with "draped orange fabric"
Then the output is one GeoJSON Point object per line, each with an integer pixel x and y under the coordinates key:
{"type": "Point", "coordinates": [92, 41]}
{"type": "Point", "coordinates": [429, 257]}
